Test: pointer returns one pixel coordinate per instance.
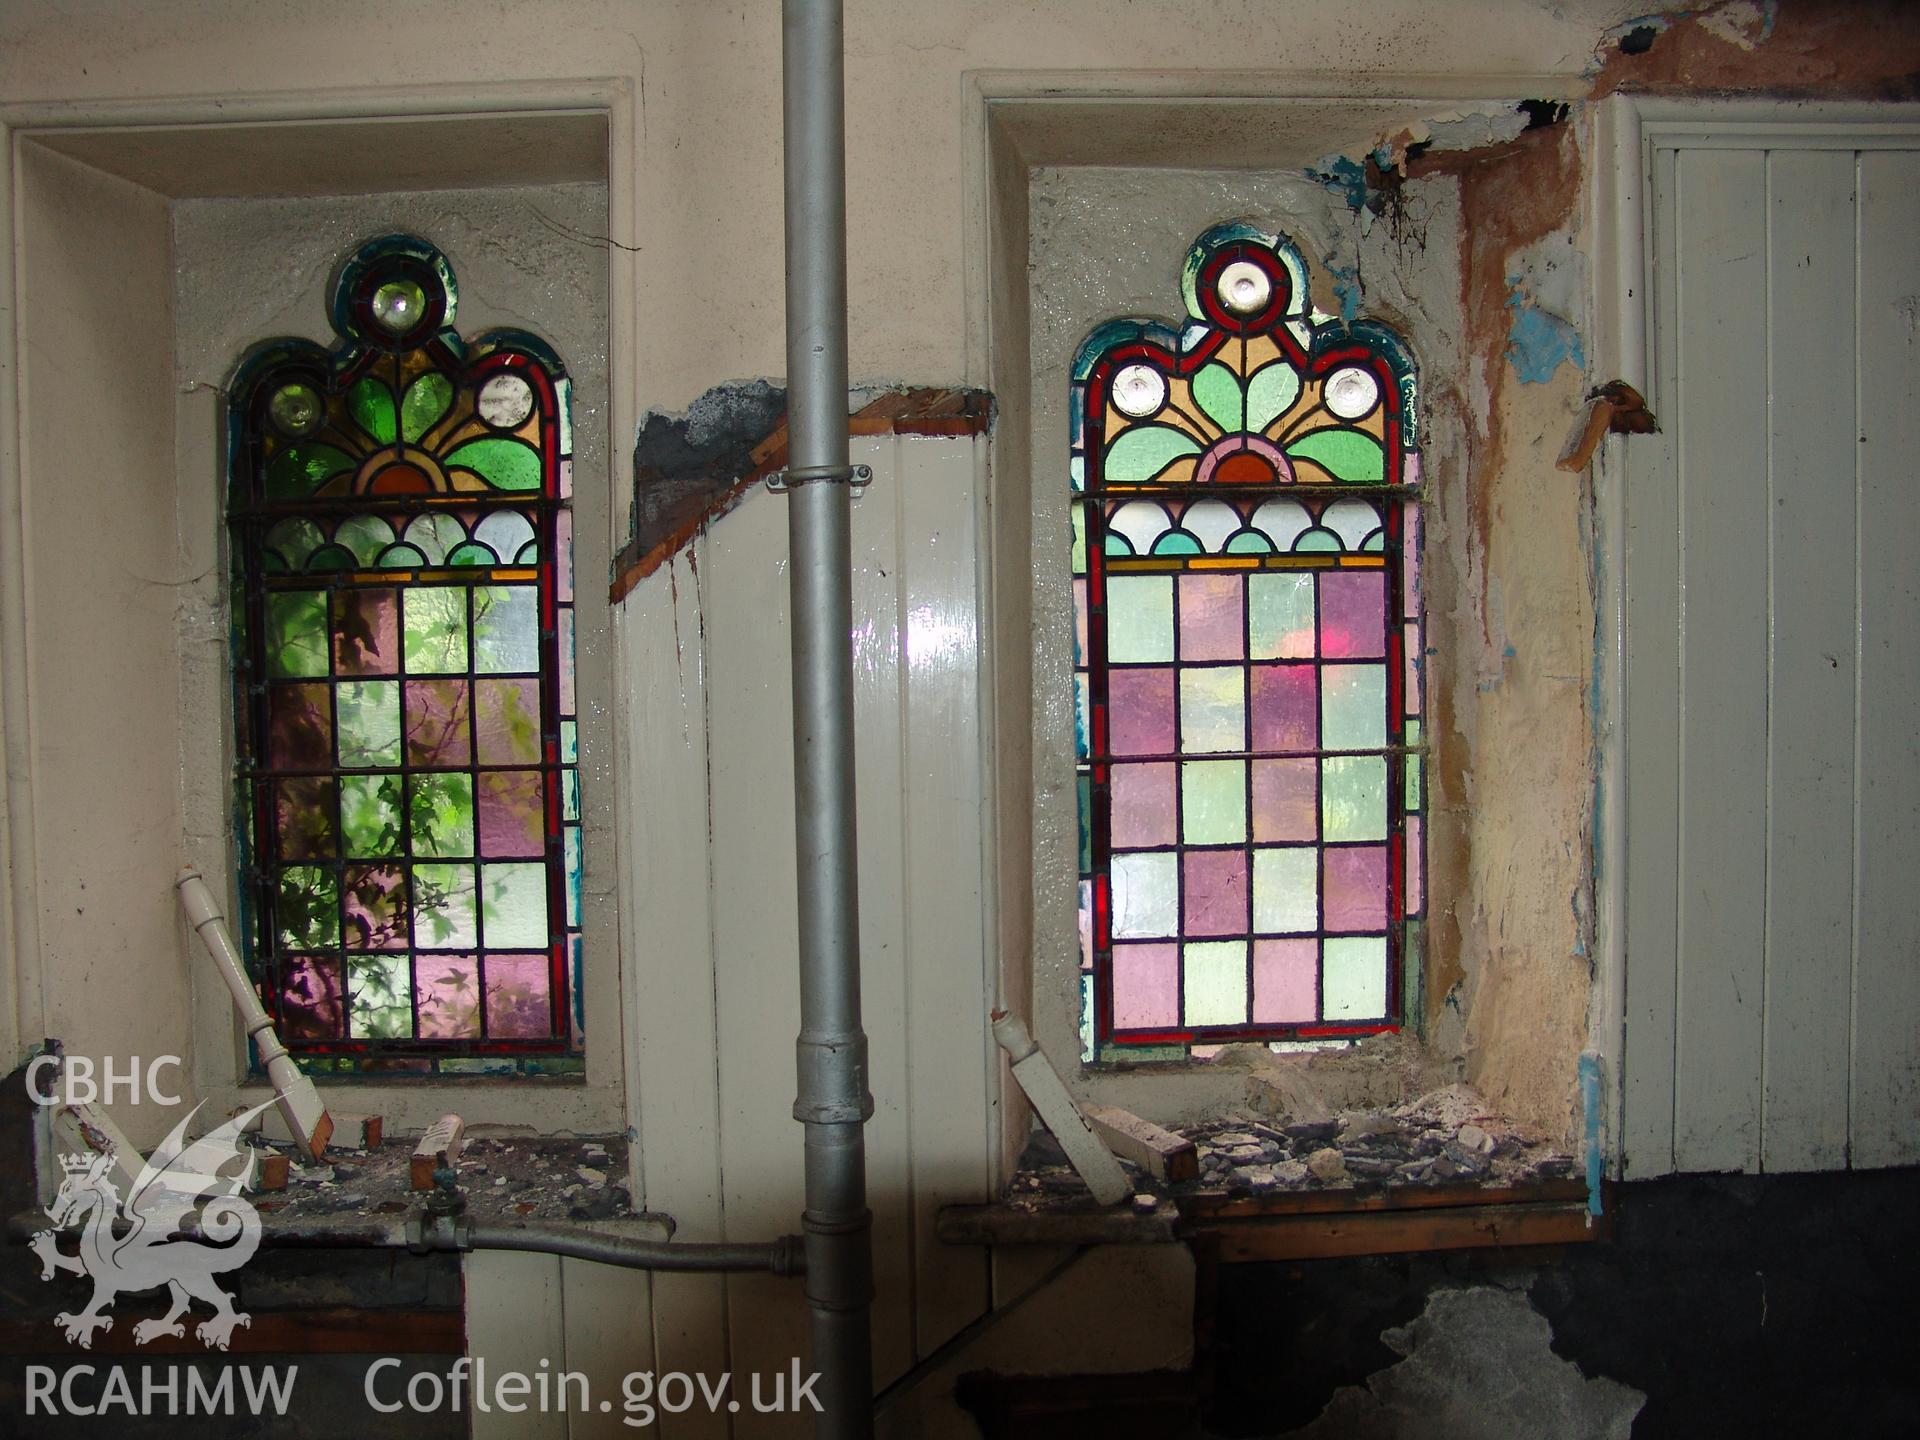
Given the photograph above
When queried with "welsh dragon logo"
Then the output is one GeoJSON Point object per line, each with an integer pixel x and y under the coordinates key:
{"type": "Point", "coordinates": [136, 1244]}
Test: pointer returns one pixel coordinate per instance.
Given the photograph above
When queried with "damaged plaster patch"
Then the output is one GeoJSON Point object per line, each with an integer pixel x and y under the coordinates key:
{"type": "Point", "coordinates": [1545, 281]}
{"type": "Point", "coordinates": [1741, 22]}
{"type": "Point", "coordinates": [1479, 1365]}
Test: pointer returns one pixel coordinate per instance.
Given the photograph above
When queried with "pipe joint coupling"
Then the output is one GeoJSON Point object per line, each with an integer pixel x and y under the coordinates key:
{"type": "Point", "coordinates": [833, 1081]}
{"type": "Point", "coordinates": [856, 477]}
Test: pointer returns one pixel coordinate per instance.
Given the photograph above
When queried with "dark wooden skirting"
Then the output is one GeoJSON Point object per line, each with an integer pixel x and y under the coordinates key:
{"type": "Point", "coordinates": [338, 1331]}
{"type": "Point", "coordinates": [921, 411]}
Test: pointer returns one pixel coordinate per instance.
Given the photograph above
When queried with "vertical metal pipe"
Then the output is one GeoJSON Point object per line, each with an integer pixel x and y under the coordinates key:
{"type": "Point", "coordinates": [833, 1102]}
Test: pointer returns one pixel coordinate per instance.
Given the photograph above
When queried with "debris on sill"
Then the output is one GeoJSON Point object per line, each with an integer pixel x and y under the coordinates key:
{"type": "Point", "coordinates": [1448, 1136]}
{"type": "Point", "coordinates": [506, 1180]}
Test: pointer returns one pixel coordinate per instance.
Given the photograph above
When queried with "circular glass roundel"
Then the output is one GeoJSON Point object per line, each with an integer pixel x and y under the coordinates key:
{"type": "Point", "coordinates": [398, 306]}
{"type": "Point", "coordinates": [505, 401]}
{"type": "Point", "coordinates": [294, 409]}
{"type": "Point", "coordinates": [1245, 288]}
{"type": "Point", "coordinates": [1139, 390]}
{"type": "Point", "coordinates": [1352, 392]}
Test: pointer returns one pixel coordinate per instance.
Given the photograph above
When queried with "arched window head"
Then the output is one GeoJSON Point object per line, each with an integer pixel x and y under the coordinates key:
{"type": "Point", "coordinates": [1248, 665]}
{"type": "Point", "coordinates": [408, 800]}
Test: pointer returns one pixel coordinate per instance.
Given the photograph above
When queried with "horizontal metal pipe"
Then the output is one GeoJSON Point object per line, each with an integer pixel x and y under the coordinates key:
{"type": "Point", "coordinates": [783, 1256]}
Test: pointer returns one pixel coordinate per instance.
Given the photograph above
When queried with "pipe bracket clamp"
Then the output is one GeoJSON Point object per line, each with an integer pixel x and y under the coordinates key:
{"type": "Point", "coordinates": [857, 477]}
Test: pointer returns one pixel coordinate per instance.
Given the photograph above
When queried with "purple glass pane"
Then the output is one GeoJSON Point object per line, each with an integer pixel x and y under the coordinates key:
{"type": "Point", "coordinates": [1286, 707]}
{"type": "Point", "coordinates": [310, 998]}
{"type": "Point", "coordinates": [1353, 888]}
{"type": "Point", "coordinates": [1143, 802]}
{"type": "Point", "coordinates": [366, 632]}
{"type": "Point", "coordinates": [1353, 614]}
{"type": "Point", "coordinates": [376, 907]}
{"type": "Point", "coordinates": [508, 721]}
{"type": "Point", "coordinates": [299, 727]}
{"type": "Point", "coordinates": [1213, 899]}
{"type": "Point", "coordinates": [519, 997]}
{"type": "Point", "coordinates": [512, 817]}
{"type": "Point", "coordinates": [448, 987]}
{"type": "Point", "coordinates": [1286, 804]}
{"type": "Point", "coordinates": [1140, 711]}
{"type": "Point", "coordinates": [1411, 652]}
{"type": "Point", "coordinates": [566, 660]}
{"type": "Point", "coordinates": [1086, 924]}
{"type": "Point", "coordinates": [1211, 625]}
{"type": "Point", "coordinates": [436, 723]}
{"type": "Point", "coordinates": [1415, 870]}
{"type": "Point", "coordinates": [1146, 986]}
{"type": "Point", "coordinates": [1410, 564]}
{"type": "Point", "coordinates": [1285, 981]}
{"type": "Point", "coordinates": [303, 817]}
{"type": "Point", "coordinates": [1080, 621]}
{"type": "Point", "coordinates": [563, 555]}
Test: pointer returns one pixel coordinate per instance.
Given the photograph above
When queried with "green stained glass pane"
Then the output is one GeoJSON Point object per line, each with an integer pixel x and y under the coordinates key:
{"type": "Point", "coordinates": [1280, 615]}
{"type": "Point", "coordinates": [1270, 394]}
{"type": "Point", "coordinates": [575, 873]}
{"type": "Point", "coordinates": [1214, 987]}
{"type": "Point", "coordinates": [1140, 619]}
{"type": "Point", "coordinates": [504, 464]}
{"type": "Point", "coordinates": [1414, 766]}
{"type": "Point", "coordinates": [1079, 539]}
{"type": "Point", "coordinates": [370, 815]}
{"type": "Point", "coordinates": [295, 540]}
{"type": "Point", "coordinates": [1213, 802]}
{"type": "Point", "coordinates": [1353, 978]}
{"type": "Point", "coordinates": [446, 907]}
{"type": "Point", "coordinates": [1286, 890]}
{"type": "Point", "coordinates": [1216, 390]}
{"type": "Point", "coordinates": [440, 810]}
{"type": "Point", "coordinates": [436, 629]}
{"type": "Point", "coordinates": [1353, 797]}
{"type": "Point", "coordinates": [296, 634]}
{"type": "Point", "coordinates": [1353, 706]}
{"type": "Point", "coordinates": [366, 536]}
{"type": "Point", "coordinates": [506, 629]}
{"type": "Point", "coordinates": [1178, 542]}
{"type": "Point", "coordinates": [1213, 708]}
{"type": "Point", "coordinates": [369, 723]}
{"type": "Point", "coordinates": [1143, 452]}
{"type": "Point", "coordinates": [296, 471]}
{"type": "Point", "coordinates": [426, 400]}
{"type": "Point", "coordinates": [1086, 824]}
{"type": "Point", "coordinates": [380, 997]}
{"type": "Point", "coordinates": [570, 795]}
{"type": "Point", "coordinates": [513, 905]}
{"type": "Point", "coordinates": [569, 742]}
{"type": "Point", "coordinates": [1346, 454]}
{"type": "Point", "coordinates": [372, 405]}
{"type": "Point", "coordinates": [306, 910]}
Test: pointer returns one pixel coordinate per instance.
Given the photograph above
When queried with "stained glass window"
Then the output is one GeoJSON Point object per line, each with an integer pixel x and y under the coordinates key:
{"type": "Point", "coordinates": [408, 801]}
{"type": "Point", "coordinates": [1245, 556]}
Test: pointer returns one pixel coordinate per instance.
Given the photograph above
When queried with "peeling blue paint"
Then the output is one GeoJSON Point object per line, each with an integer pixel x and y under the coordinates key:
{"type": "Point", "coordinates": [1346, 178]}
{"type": "Point", "coordinates": [1346, 285]}
{"type": "Point", "coordinates": [1509, 652]}
{"type": "Point", "coordinates": [1590, 1103]}
{"type": "Point", "coordinates": [1540, 342]}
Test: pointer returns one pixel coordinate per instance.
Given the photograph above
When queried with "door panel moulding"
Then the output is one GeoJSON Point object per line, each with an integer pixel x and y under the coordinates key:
{"type": "Point", "coordinates": [269, 147]}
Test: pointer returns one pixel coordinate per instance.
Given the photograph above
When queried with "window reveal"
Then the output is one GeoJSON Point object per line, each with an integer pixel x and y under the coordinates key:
{"type": "Point", "coordinates": [1248, 665]}
{"type": "Point", "coordinates": [408, 794]}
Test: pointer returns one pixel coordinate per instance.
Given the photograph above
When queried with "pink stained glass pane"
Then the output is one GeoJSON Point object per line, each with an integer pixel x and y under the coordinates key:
{"type": "Point", "coordinates": [1143, 804]}
{"type": "Point", "coordinates": [1080, 621]}
{"type": "Point", "coordinates": [1146, 986]}
{"type": "Point", "coordinates": [519, 1002]}
{"type": "Point", "coordinates": [436, 723]}
{"type": "Point", "coordinates": [375, 899]}
{"type": "Point", "coordinates": [1286, 800]}
{"type": "Point", "coordinates": [1410, 564]}
{"type": "Point", "coordinates": [1353, 614]}
{"type": "Point", "coordinates": [1353, 888]}
{"type": "Point", "coordinates": [311, 1000]}
{"type": "Point", "coordinates": [1213, 897]}
{"type": "Point", "coordinates": [1140, 711]}
{"type": "Point", "coordinates": [1415, 869]}
{"type": "Point", "coordinates": [448, 987]}
{"type": "Point", "coordinates": [1086, 925]}
{"type": "Point", "coordinates": [566, 660]}
{"type": "Point", "coordinates": [299, 727]}
{"type": "Point", "coordinates": [1285, 981]}
{"type": "Point", "coordinates": [1415, 661]}
{"type": "Point", "coordinates": [303, 817]}
{"type": "Point", "coordinates": [1286, 707]}
{"type": "Point", "coordinates": [507, 725]}
{"type": "Point", "coordinates": [512, 815]}
{"type": "Point", "coordinates": [1211, 624]}
{"type": "Point", "coordinates": [563, 555]}
{"type": "Point", "coordinates": [366, 632]}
